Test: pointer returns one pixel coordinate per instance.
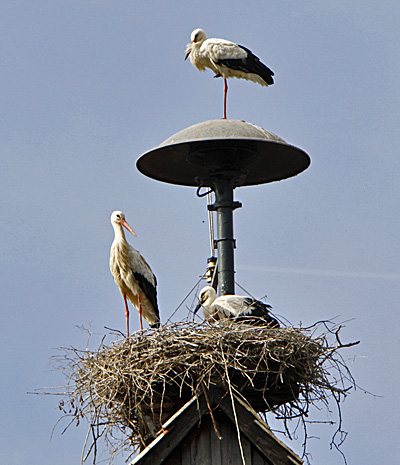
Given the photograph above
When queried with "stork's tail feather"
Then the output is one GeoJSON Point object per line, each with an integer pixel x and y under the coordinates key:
{"type": "Point", "coordinates": [254, 65]}
{"type": "Point", "coordinates": [259, 312]}
{"type": "Point", "coordinates": [265, 73]}
{"type": "Point", "coordinates": [156, 325]}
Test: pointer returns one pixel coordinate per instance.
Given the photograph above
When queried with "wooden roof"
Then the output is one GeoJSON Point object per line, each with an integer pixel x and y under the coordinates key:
{"type": "Point", "coordinates": [191, 436]}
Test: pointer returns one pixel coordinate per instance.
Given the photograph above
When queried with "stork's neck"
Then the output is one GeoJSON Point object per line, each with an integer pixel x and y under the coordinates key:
{"type": "Point", "coordinates": [196, 46]}
{"type": "Point", "coordinates": [119, 233]}
{"type": "Point", "coordinates": [210, 298]}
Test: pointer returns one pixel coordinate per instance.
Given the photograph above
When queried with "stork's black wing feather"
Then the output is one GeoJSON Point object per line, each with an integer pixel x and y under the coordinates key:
{"type": "Point", "coordinates": [258, 312]}
{"type": "Point", "coordinates": [151, 293]}
{"type": "Point", "coordinates": [250, 64]}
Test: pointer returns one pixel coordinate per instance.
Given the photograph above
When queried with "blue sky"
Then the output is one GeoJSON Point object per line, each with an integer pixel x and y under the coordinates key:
{"type": "Point", "coordinates": [88, 87]}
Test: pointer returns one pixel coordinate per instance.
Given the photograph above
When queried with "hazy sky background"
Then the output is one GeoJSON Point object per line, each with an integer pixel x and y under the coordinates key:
{"type": "Point", "coordinates": [88, 86]}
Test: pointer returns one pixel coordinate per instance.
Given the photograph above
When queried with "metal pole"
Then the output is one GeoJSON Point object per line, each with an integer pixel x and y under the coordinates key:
{"type": "Point", "coordinates": [211, 224]}
{"type": "Point", "coordinates": [224, 205]}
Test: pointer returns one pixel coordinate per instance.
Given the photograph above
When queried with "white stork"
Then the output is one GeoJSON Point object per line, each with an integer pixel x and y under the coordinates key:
{"type": "Point", "coordinates": [226, 59]}
{"type": "Point", "coordinates": [237, 308]}
{"type": "Point", "coordinates": [133, 275]}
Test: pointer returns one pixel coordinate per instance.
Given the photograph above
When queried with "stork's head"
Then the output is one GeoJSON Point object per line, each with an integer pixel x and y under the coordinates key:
{"type": "Point", "coordinates": [118, 217]}
{"type": "Point", "coordinates": [206, 297]}
{"type": "Point", "coordinates": [197, 37]}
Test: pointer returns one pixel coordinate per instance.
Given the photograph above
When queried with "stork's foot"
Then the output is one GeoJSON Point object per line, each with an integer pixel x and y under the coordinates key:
{"type": "Point", "coordinates": [218, 75]}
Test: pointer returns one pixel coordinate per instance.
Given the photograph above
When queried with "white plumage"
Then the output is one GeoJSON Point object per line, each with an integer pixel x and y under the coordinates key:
{"type": "Point", "coordinates": [133, 275]}
{"type": "Point", "coordinates": [234, 307]}
{"type": "Point", "coordinates": [226, 59]}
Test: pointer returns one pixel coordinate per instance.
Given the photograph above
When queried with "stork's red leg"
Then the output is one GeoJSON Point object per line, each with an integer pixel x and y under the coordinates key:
{"type": "Point", "coordinates": [127, 316]}
{"type": "Point", "coordinates": [140, 313]}
{"type": "Point", "coordinates": [225, 92]}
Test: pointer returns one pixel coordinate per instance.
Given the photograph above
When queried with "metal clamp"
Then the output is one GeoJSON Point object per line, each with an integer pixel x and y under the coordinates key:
{"type": "Point", "coordinates": [222, 240]}
{"type": "Point", "coordinates": [224, 204]}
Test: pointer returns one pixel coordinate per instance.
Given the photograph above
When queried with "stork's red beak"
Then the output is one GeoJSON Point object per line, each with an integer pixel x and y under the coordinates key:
{"type": "Point", "coordinates": [126, 225]}
{"type": "Point", "coordinates": [188, 50]}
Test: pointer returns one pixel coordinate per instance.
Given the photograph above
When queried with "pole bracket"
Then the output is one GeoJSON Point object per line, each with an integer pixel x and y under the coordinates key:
{"type": "Point", "coordinates": [222, 240]}
{"type": "Point", "coordinates": [224, 204]}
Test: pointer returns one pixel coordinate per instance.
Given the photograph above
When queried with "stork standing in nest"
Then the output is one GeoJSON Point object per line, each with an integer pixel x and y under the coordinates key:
{"type": "Point", "coordinates": [237, 308]}
{"type": "Point", "coordinates": [133, 275]}
{"type": "Point", "coordinates": [226, 59]}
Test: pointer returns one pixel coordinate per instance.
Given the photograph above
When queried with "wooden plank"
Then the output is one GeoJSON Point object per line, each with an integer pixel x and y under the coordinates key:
{"type": "Point", "coordinates": [196, 448]}
{"type": "Point", "coordinates": [215, 443]}
{"type": "Point", "coordinates": [247, 448]}
{"type": "Point", "coordinates": [230, 443]}
{"type": "Point", "coordinates": [175, 458]}
{"type": "Point", "coordinates": [258, 459]}
{"type": "Point", "coordinates": [256, 430]}
{"type": "Point", "coordinates": [186, 452]}
{"type": "Point", "coordinates": [229, 446]}
{"type": "Point", "coordinates": [175, 429]}
{"type": "Point", "coordinates": [203, 444]}
{"type": "Point", "coordinates": [184, 443]}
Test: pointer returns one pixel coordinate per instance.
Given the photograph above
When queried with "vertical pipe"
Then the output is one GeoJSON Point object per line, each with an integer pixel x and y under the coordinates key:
{"type": "Point", "coordinates": [211, 224]}
{"type": "Point", "coordinates": [224, 205]}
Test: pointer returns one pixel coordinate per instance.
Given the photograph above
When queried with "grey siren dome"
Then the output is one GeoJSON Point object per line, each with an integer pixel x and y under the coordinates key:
{"type": "Point", "coordinates": [247, 153]}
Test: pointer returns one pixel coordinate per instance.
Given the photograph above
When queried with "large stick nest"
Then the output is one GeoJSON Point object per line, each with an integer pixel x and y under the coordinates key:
{"type": "Point", "coordinates": [151, 374]}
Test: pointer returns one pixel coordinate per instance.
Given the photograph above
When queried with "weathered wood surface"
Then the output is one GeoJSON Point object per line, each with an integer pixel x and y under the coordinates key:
{"type": "Point", "coordinates": [174, 431]}
{"type": "Point", "coordinates": [251, 424]}
{"type": "Point", "coordinates": [189, 437]}
{"type": "Point", "coordinates": [202, 446]}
